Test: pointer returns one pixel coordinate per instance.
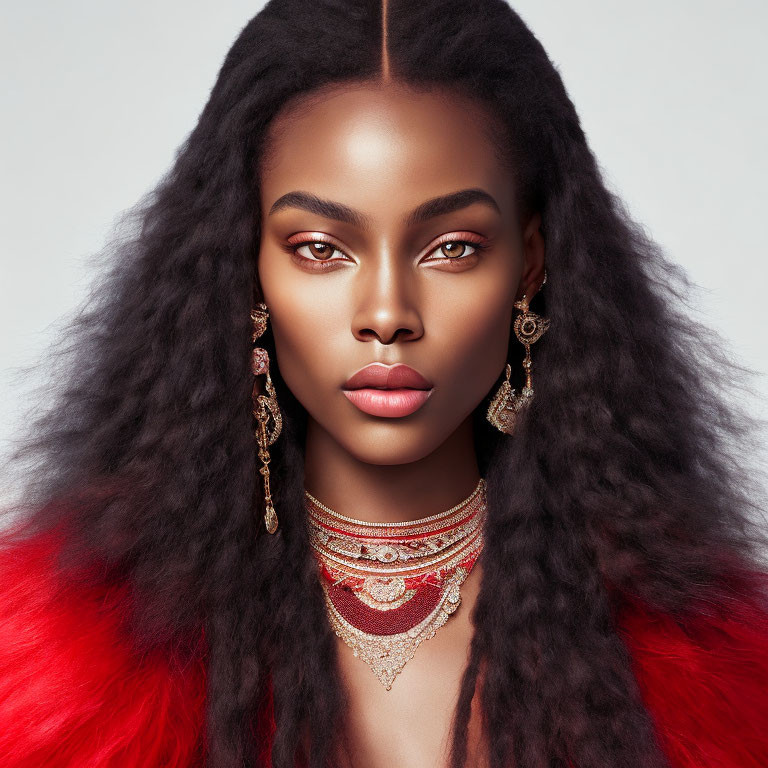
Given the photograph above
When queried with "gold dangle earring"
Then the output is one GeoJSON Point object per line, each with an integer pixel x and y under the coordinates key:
{"type": "Point", "coordinates": [506, 404]}
{"type": "Point", "coordinates": [264, 408]}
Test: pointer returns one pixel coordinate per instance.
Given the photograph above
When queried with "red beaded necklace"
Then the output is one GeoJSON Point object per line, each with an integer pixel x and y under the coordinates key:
{"type": "Point", "coordinates": [390, 586]}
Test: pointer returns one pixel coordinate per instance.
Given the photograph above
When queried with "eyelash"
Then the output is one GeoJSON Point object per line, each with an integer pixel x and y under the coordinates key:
{"type": "Point", "coordinates": [320, 264]}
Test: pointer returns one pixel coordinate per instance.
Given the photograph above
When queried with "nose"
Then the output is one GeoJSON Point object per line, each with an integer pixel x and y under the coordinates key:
{"type": "Point", "coordinates": [387, 301]}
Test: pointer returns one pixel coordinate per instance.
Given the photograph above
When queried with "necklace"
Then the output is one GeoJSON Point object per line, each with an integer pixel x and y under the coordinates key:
{"type": "Point", "coordinates": [390, 586]}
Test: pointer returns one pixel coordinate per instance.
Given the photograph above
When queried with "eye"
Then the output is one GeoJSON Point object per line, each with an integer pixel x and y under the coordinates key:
{"type": "Point", "coordinates": [457, 249]}
{"type": "Point", "coordinates": [315, 253]}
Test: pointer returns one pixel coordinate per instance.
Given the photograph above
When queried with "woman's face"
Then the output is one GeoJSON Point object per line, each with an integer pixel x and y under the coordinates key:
{"type": "Point", "coordinates": [369, 255]}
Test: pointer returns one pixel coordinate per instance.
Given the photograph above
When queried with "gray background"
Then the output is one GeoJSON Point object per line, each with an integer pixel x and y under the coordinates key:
{"type": "Point", "coordinates": [97, 96]}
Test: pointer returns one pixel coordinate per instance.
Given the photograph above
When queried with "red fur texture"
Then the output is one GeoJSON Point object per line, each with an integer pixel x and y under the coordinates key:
{"type": "Point", "coordinates": [705, 682]}
{"type": "Point", "coordinates": [74, 694]}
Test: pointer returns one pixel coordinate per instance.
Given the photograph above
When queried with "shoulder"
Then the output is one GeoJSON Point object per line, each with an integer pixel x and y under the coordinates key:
{"type": "Point", "coordinates": [73, 691]}
{"type": "Point", "coordinates": [704, 679]}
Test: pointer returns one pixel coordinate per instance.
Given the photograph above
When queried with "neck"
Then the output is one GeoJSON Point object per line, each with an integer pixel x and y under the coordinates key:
{"type": "Point", "coordinates": [360, 488]}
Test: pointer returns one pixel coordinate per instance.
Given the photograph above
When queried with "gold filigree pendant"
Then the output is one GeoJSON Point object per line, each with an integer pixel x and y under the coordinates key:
{"type": "Point", "coordinates": [386, 655]}
{"type": "Point", "coordinates": [390, 586]}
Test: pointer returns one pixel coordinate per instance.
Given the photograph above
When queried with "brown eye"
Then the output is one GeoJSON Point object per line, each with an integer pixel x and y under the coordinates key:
{"type": "Point", "coordinates": [316, 251]}
{"type": "Point", "coordinates": [321, 250]}
{"type": "Point", "coordinates": [316, 254]}
{"type": "Point", "coordinates": [454, 249]}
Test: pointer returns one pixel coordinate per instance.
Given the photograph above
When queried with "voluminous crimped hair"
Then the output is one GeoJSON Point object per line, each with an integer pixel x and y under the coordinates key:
{"type": "Point", "coordinates": [623, 481]}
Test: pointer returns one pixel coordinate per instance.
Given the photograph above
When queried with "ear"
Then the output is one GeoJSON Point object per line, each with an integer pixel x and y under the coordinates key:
{"type": "Point", "coordinates": [533, 258]}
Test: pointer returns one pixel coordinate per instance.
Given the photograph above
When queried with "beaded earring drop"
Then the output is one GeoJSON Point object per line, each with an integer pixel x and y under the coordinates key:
{"type": "Point", "coordinates": [264, 408]}
{"type": "Point", "coordinates": [506, 404]}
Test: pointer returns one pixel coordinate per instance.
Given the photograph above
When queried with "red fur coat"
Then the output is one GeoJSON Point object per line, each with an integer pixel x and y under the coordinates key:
{"type": "Point", "coordinates": [73, 694]}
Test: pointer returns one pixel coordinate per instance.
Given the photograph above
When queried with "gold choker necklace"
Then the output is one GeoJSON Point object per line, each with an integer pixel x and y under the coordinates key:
{"type": "Point", "coordinates": [390, 586]}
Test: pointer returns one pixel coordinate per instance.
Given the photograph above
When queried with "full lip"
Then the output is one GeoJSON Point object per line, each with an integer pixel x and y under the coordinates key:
{"type": "Point", "coordinates": [381, 376]}
{"type": "Point", "coordinates": [387, 390]}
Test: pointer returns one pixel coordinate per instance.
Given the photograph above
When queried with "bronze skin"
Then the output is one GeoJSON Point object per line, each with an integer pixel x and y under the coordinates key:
{"type": "Point", "coordinates": [378, 287]}
{"type": "Point", "coordinates": [389, 290]}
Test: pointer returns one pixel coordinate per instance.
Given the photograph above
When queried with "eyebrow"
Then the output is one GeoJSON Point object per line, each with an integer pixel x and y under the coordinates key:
{"type": "Point", "coordinates": [436, 206]}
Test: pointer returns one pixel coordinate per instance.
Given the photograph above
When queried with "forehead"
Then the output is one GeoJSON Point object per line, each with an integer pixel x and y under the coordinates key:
{"type": "Point", "coordinates": [364, 144]}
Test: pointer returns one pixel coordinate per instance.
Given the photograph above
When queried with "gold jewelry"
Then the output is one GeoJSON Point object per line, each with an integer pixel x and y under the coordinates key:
{"type": "Point", "coordinates": [390, 586]}
{"type": "Point", "coordinates": [264, 408]}
{"type": "Point", "coordinates": [506, 404]}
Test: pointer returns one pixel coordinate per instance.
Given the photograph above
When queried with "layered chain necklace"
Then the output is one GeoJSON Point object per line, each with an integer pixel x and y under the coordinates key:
{"type": "Point", "coordinates": [390, 586]}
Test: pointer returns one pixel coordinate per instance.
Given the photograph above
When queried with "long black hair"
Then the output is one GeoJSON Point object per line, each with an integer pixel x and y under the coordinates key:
{"type": "Point", "coordinates": [623, 480]}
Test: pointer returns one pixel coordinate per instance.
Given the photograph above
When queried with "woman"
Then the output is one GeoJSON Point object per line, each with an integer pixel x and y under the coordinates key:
{"type": "Point", "coordinates": [535, 549]}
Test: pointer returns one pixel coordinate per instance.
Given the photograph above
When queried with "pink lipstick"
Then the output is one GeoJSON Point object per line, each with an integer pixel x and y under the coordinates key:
{"type": "Point", "coordinates": [391, 391]}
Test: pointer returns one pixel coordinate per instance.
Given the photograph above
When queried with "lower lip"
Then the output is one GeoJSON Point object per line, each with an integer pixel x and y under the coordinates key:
{"type": "Point", "coordinates": [388, 402]}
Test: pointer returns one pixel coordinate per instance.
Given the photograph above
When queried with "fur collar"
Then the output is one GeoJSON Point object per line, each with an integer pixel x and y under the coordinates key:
{"type": "Point", "coordinates": [73, 693]}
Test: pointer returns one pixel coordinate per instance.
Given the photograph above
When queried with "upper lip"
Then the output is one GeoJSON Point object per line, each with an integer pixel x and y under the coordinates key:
{"type": "Point", "coordinates": [387, 377]}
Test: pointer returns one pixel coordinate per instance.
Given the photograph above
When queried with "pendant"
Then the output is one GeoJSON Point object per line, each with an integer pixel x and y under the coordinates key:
{"type": "Point", "coordinates": [389, 586]}
{"type": "Point", "coordinates": [387, 654]}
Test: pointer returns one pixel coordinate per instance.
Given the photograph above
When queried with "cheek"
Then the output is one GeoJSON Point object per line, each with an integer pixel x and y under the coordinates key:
{"type": "Point", "coordinates": [484, 346]}
{"type": "Point", "coordinates": [306, 326]}
{"type": "Point", "coordinates": [473, 341]}
{"type": "Point", "coordinates": [304, 348]}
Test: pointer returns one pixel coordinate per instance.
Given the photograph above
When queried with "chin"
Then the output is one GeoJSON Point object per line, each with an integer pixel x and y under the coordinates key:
{"type": "Point", "coordinates": [389, 444]}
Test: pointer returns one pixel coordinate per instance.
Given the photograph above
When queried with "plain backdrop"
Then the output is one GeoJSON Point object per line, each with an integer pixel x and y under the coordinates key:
{"type": "Point", "coordinates": [96, 97]}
